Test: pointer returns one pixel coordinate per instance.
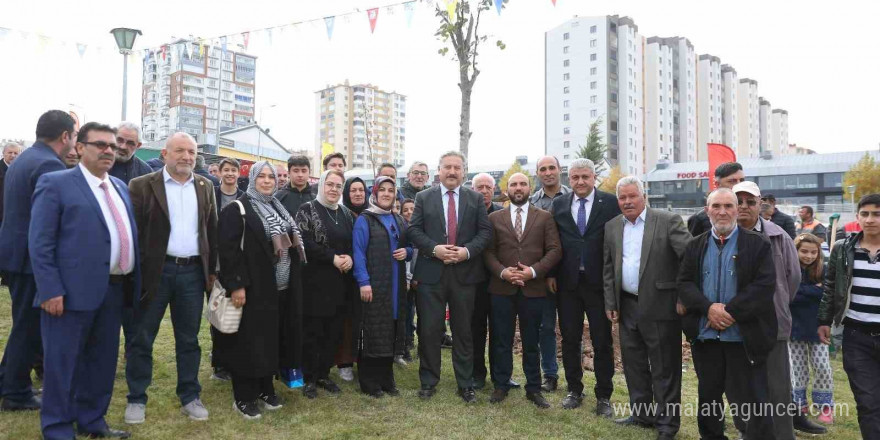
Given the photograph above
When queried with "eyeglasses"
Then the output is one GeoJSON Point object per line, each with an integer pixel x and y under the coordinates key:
{"type": "Point", "coordinates": [419, 173]}
{"type": "Point", "coordinates": [130, 143]}
{"type": "Point", "coordinates": [335, 186]}
{"type": "Point", "coordinates": [103, 145]}
{"type": "Point", "coordinates": [749, 202]}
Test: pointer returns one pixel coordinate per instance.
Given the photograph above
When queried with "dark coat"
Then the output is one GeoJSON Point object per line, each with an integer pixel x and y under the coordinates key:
{"type": "Point", "coordinates": [699, 223]}
{"type": "Point", "coordinates": [588, 246]}
{"type": "Point", "coordinates": [3, 169]}
{"type": "Point", "coordinates": [805, 310]}
{"type": "Point", "coordinates": [154, 226]}
{"type": "Point", "coordinates": [270, 318]}
{"type": "Point", "coordinates": [784, 221]}
{"type": "Point", "coordinates": [156, 163]}
{"type": "Point", "coordinates": [293, 198]}
{"type": "Point", "coordinates": [381, 335]}
{"type": "Point", "coordinates": [125, 171]}
{"type": "Point", "coordinates": [217, 198]}
{"type": "Point", "coordinates": [326, 291]}
{"type": "Point", "coordinates": [752, 307]}
{"type": "Point", "coordinates": [204, 173]}
{"type": "Point", "coordinates": [838, 280]}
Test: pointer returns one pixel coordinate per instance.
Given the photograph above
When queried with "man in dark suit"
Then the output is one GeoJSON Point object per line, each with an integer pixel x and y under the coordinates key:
{"type": "Point", "coordinates": [525, 247]}
{"type": "Point", "coordinates": [56, 135]}
{"type": "Point", "coordinates": [176, 215]}
{"type": "Point", "coordinates": [727, 174]}
{"type": "Point", "coordinates": [643, 247]}
{"type": "Point", "coordinates": [84, 254]}
{"type": "Point", "coordinates": [451, 229]}
{"type": "Point", "coordinates": [11, 150]}
{"type": "Point", "coordinates": [580, 217]}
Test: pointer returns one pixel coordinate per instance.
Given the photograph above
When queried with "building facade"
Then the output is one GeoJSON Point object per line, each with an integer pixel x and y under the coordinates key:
{"type": "Point", "coordinates": [196, 89]}
{"type": "Point", "coordinates": [363, 122]}
{"type": "Point", "coordinates": [779, 131]}
{"type": "Point", "coordinates": [729, 112]}
{"type": "Point", "coordinates": [593, 73]}
{"type": "Point", "coordinates": [748, 106]}
{"type": "Point", "coordinates": [710, 104]}
{"type": "Point", "coordinates": [670, 100]}
{"type": "Point", "coordinates": [764, 111]}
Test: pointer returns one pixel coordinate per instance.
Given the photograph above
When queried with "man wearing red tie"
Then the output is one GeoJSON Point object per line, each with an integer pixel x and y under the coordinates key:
{"type": "Point", "coordinates": [85, 261]}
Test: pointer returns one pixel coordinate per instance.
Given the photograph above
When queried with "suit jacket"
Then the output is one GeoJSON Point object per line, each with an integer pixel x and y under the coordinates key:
{"type": "Point", "coordinates": [539, 249]}
{"type": "Point", "coordinates": [3, 169]}
{"type": "Point", "coordinates": [587, 247]}
{"type": "Point", "coordinates": [70, 241]}
{"type": "Point", "coordinates": [154, 226]}
{"type": "Point", "coordinates": [18, 188]}
{"type": "Point", "coordinates": [428, 229]}
{"type": "Point", "coordinates": [663, 243]}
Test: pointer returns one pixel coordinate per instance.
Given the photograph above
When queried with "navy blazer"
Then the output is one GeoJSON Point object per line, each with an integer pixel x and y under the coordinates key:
{"type": "Point", "coordinates": [587, 247]}
{"type": "Point", "coordinates": [18, 187]}
{"type": "Point", "coordinates": [70, 242]}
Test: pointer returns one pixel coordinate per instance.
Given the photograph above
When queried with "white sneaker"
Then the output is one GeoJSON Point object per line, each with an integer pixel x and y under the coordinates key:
{"type": "Point", "coordinates": [399, 361]}
{"type": "Point", "coordinates": [135, 413]}
{"type": "Point", "coordinates": [195, 410]}
{"type": "Point", "coordinates": [346, 374]}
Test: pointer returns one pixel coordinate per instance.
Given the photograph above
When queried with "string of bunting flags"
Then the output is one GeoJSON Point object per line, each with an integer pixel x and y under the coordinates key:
{"type": "Point", "coordinates": [243, 39]}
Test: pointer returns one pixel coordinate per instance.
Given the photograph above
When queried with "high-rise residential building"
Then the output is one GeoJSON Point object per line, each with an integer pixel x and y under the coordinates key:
{"type": "Point", "coordinates": [779, 132]}
{"type": "Point", "coordinates": [748, 105]}
{"type": "Point", "coordinates": [764, 126]}
{"type": "Point", "coordinates": [670, 100]}
{"type": "Point", "coordinates": [729, 88]}
{"type": "Point", "coordinates": [363, 122]}
{"type": "Point", "coordinates": [593, 71]}
{"type": "Point", "coordinates": [710, 104]}
{"type": "Point", "coordinates": [188, 87]}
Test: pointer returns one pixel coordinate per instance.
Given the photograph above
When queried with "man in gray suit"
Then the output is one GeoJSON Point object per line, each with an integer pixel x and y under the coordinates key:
{"type": "Point", "coordinates": [642, 250]}
{"type": "Point", "coordinates": [451, 229]}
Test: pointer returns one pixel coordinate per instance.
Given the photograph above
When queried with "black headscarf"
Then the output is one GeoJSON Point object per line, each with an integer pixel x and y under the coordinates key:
{"type": "Point", "coordinates": [346, 196]}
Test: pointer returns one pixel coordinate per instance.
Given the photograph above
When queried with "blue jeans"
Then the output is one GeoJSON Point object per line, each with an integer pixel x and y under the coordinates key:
{"type": "Point", "coordinates": [547, 340]}
{"type": "Point", "coordinates": [24, 344]}
{"type": "Point", "coordinates": [183, 287]}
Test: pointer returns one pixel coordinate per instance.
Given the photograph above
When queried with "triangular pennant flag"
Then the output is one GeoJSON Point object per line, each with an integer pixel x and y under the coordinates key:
{"type": "Point", "coordinates": [373, 15]}
{"type": "Point", "coordinates": [201, 48]}
{"type": "Point", "coordinates": [450, 8]}
{"type": "Point", "coordinates": [329, 22]}
{"type": "Point", "coordinates": [554, 2]}
{"type": "Point", "coordinates": [409, 8]}
{"type": "Point", "coordinates": [164, 49]}
{"type": "Point", "coordinates": [81, 48]}
{"type": "Point", "coordinates": [246, 36]}
{"type": "Point", "coordinates": [498, 5]}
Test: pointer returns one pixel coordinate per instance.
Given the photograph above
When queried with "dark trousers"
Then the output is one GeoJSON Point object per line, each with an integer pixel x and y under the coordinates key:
{"type": "Point", "coordinates": [375, 374]}
{"type": "Point", "coordinates": [724, 366]}
{"type": "Point", "coordinates": [432, 300]}
{"type": "Point", "coordinates": [129, 328]}
{"type": "Point", "coordinates": [322, 336]}
{"type": "Point", "coordinates": [779, 391]}
{"type": "Point", "coordinates": [547, 340]}
{"type": "Point", "coordinates": [651, 352]}
{"type": "Point", "coordinates": [81, 348]}
{"type": "Point", "coordinates": [572, 307]}
{"type": "Point", "coordinates": [183, 288]}
{"type": "Point", "coordinates": [23, 345]}
{"type": "Point", "coordinates": [248, 389]}
{"type": "Point", "coordinates": [481, 321]}
{"type": "Point", "coordinates": [505, 309]}
{"type": "Point", "coordinates": [861, 361]}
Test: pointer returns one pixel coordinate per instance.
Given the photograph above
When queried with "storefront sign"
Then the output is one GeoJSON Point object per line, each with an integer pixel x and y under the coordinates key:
{"type": "Point", "coordinates": [693, 175]}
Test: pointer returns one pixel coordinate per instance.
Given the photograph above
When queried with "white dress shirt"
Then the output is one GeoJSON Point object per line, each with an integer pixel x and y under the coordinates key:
{"type": "Point", "coordinates": [183, 210]}
{"type": "Point", "coordinates": [95, 185]}
{"type": "Point", "coordinates": [632, 252]}
{"type": "Point", "coordinates": [575, 206]}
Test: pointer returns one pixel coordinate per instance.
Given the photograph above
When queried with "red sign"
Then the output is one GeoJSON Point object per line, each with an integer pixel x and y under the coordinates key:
{"type": "Point", "coordinates": [692, 175]}
{"type": "Point", "coordinates": [718, 154]}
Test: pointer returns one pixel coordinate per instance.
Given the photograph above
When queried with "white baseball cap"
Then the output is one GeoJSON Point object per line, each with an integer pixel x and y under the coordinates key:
{"type": "Point", "coordinates": [747, 187]}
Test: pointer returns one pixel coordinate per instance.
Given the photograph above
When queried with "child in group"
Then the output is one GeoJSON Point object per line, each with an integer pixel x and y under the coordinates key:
{"type": "Point", "coordinates": [805, 350]}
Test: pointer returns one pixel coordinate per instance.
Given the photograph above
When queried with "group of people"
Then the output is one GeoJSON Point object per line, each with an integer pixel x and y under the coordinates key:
{"type": "Point", "coordinates": [336, 273]}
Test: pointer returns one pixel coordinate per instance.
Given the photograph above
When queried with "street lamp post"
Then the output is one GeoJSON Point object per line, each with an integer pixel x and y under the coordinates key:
{"type": "Point", "coordinates": [125, 41]}
{"type": "Point", "coordinates": [852, 194]}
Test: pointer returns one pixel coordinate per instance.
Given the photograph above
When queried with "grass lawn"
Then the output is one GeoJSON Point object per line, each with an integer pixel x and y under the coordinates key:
{"type": "Point", "coordinates": [353, 415]}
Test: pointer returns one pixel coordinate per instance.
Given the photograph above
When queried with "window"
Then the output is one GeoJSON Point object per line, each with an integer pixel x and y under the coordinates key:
{"type": "Point", "coordinates": [565, 36]}
{"type": "Point", "coordinates": [565, 104]}
{"type": "Point", "coordinates": [565, 117]}
{"type": "Point", "coordinates": [592, 99]}
{"type": "Point", "coordinates": [593, 85]}
{"type": "Point", "coordinates": [592, 57]}
{"type": "Point", "coordinates": [832, 180]}
{"type": "Point", "coordinates": [565, 157]}
{"type": "Point", "coordinates": [565, 76]}
{"type": "Point", "coordinates": [593, 43]}
{"type": "Point", "coordinates": [565, 90]}
{"type": "Point", "coordinates": [566, 144]}
{"type": "Point", "coordinates": [592, 70]}
{"type": "Point", "coordinates": [594, 113]}
{"type": "Point", "coordinates": [564, 63]}
{"type": "Point", "coordinates": [592, 29]}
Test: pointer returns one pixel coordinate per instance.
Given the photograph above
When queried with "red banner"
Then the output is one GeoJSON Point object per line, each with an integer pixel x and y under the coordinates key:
{"type": "Point", "coordinates": [718, 154]}
{"type": "Point", "coordinates": [373, 14]}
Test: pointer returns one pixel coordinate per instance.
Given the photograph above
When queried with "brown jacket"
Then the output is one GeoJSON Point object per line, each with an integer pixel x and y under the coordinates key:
{"type": "Point", "coordinates": [154, 227]}
{"type": "Point", "coordinates": [539, 249]}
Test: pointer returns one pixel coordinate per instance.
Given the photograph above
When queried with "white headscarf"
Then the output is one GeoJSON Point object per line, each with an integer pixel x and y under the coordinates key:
{"type": "Point", "coordinates": [323, 199]}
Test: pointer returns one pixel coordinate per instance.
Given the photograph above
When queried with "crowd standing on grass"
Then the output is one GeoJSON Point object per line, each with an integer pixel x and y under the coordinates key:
{"type": "Point", "coordinates": [339, 273]}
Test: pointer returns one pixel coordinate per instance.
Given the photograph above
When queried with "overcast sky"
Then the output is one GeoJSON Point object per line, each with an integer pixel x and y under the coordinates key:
{"type": "Point", "coordinates": [821, 62]}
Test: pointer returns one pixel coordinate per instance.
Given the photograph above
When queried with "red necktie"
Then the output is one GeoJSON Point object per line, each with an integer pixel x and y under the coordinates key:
{"type": "Point", "coordinates": [451, 220]}
{"type": "Point", "coordinates": [120, 228]}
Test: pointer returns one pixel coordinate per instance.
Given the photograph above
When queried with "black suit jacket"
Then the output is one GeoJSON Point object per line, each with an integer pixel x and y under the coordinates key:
{"type": "Point", "coordinates": [428, 229]}
{"type": "Point", "coordinates": [588, 246]}
{"type": "Point", "coordinates": [3, 168]}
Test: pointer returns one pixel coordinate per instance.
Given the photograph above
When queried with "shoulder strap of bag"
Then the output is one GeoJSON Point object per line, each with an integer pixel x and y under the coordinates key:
{"type": "Point", "coordinates": [243, 225]}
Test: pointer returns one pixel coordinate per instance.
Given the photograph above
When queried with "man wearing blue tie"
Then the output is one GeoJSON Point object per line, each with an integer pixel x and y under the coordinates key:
{"type": "Point", "coordinates": [85, 261]}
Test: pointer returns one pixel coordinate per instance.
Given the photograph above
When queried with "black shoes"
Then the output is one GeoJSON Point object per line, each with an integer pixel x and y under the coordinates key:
{"type": "Point", "coordinates": [573, 400]}
{"type": "Point", "coordinates": [310, 390]}
{"type": "Point", "coordinates": [603, 408]}
{"type": "Point", "coordinates": [329, 386]}
{"type": "Point", "coordinates": [270, 403]}
{"type": "Point", "coordinates": [393, 391]}
{"type": "Point", "coordinates": [221, 373]}
{"type": "Point", "coordinates": [248, 410]}
{"type": "Point", "coordinates": [427, 392]}
{"type": "Point", "coordinates": [32, 404]}
{"type": "Point", "coordinates": [632, 421]}
{"type": "Point", "coordinates": [468, 395]}
{"type": "Point", "coordinates": [376, 393]}
{"type": "Point", "coordinates": [803, 424]}
{"type": "Point", "coordinates": [446, 342]}
{"type": "Point", "coordinates": [498, 395]}
{"type": "Point", "coordinates": [538, 399]}
{"type": "Point", "coordinates": [549, 384]}
{"type": "Point", "coordinates": [106, 433]}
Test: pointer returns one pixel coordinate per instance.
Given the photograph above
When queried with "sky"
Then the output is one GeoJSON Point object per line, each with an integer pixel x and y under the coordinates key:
{"type": "Point", "coordinates": [819, 61]}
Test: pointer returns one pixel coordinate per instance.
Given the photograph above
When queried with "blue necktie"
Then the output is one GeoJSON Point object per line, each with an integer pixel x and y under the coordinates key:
{"type": "Point", "coordinates": [582, 217]}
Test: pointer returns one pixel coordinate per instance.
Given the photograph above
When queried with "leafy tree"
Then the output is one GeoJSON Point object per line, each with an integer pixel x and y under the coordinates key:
{"type": "Point", "coordinates": [609, 183]}
{"type": "Point", "coordinates": [865, 175]}
{"type": "Point", "coordinates": [461, 31]}
{"type": "Point", "coordinates": [595, 147]}
{"type": "Point", "coordinates": [515, 168]}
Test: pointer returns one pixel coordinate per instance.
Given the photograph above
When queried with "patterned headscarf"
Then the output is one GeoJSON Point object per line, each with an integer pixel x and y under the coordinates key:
{"type": "Point", "coordinates": [374, 197]}
{"type": "Point", "coordinates": [276, 220]}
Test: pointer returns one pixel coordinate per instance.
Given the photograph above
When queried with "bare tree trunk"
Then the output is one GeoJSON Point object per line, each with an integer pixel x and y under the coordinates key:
{"type": "Point", "coordinates": [464, 132]}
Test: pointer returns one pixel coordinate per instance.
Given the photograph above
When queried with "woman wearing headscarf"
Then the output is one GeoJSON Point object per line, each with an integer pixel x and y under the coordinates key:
{"type": "Point", "coordinates": [380, 252]}
{"type": "Point", "coordinates": [328, 286]}
{"type": "Point", "coordinates": [354, 197]}
{"type": "Point", "coordinates": [258, 272]}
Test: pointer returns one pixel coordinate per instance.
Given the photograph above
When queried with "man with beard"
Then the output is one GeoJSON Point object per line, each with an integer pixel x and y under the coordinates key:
{"type": "Point", "coordinates": [416, 179]}
{"type": "Point", "coordinates": [128, 166]}
{"type": "Point", "coordinates": [281, 173]}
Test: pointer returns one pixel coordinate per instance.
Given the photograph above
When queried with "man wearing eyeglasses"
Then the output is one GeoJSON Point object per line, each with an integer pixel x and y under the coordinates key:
{"type": "Point", "coordinates": [416, 180]}
{"type": "Point", "coordinates": [128, 166]}
{"type": "Point", "coordinates": [788, 278]}
{"type": "Point", "coordinates": [56, 135]}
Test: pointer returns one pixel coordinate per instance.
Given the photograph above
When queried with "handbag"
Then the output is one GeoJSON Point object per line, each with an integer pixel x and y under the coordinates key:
{"type": "Point", "coordinates": [221, 313]}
